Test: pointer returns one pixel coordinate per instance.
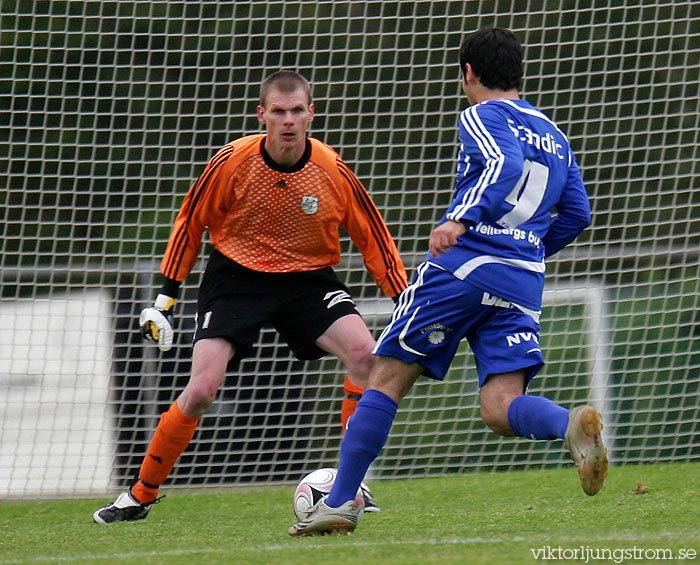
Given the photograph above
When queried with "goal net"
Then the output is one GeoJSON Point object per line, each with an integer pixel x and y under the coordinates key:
{"type": "Point", "coordinates": [112, 108]}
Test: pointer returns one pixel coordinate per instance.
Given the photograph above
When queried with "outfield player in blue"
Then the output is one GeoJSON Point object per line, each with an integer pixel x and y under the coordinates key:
{"type": "Point", "coordinates": [483, 281]}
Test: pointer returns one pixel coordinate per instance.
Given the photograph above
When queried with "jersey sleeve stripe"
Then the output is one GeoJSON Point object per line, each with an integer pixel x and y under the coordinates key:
{"type": "Point", "coordinates": [181, 238]}
{"type": "Point", "coordinates": [490, 150]}
{"type": "Point", "coordinates": [492, 154]}
{"type": "Point", "coordinates": [465, 164]}
{"type": "Point", "coordinates": [377, 225]}
{"type": "Point", "coordinates": [378, 229]}
{"type": "Point", "coordinates": [173, 269]}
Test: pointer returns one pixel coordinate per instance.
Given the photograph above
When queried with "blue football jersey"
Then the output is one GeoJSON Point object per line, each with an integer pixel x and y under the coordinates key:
{"type": "Point", "coordinates": [520, 194]}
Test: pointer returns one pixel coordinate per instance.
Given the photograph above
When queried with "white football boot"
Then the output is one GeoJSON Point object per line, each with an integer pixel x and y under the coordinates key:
{"type": "Point", "coordinates": [324, 520]}
{"type": "Point", "coordinates": [585, 444]}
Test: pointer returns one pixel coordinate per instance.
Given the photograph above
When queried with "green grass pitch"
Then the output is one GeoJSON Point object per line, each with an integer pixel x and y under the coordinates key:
{"type": "Point", "coordinates": [505, 517]}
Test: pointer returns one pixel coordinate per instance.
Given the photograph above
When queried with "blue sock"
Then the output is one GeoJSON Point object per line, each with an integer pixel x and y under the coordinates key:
{"type": "Point", "coordinates": [367, 432]}
{"type": "Point", "coordinates": [537, 417]}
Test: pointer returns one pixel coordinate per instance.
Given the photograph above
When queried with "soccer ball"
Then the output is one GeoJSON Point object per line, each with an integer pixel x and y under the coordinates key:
{"type": "Point", "coordinates": [315, 486]}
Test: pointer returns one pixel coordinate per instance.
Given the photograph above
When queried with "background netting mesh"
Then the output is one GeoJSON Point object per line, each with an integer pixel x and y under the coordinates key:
{"type": "Point", "coordinates": [111, 109]}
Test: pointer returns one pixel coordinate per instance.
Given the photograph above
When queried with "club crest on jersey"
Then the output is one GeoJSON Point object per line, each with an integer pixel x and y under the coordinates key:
{"type": "Point", "coordinates": [309, 204]}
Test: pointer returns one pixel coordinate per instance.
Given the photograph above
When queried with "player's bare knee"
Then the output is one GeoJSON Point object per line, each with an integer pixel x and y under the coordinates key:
{"type": "Point", "coordinates": [359, 363]}
{"type": "Point", "coordinates": [498, 425]}
{"type": "Point", "coordinates": [197, 397]}
{"type": "Point", "coordinates": [496, 395]}
{"type": "Point", "coordinates": [393, 377]}
{"type": "Point", "coordinates": [495, 416]}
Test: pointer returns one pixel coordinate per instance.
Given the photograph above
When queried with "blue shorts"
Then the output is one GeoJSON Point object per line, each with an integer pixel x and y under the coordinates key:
{"type": "Point", "coordinates": [437, 310]}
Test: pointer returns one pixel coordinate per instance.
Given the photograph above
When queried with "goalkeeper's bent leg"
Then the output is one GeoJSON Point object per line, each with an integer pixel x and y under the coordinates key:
{"type": "Point", "coordinates": [353, 393]}
{"type": "Point", "coordinates": [365, 437]}
{"type": "Point", "coordinates": [171, 438]}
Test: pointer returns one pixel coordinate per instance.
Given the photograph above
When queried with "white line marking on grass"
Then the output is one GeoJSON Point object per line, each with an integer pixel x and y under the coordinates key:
{"type": "Point", "coordinates": [307, 543]}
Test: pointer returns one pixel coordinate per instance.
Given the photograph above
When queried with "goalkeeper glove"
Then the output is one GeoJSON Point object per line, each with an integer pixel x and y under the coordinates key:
{"type": "Point", "coordinates": [157, 322]}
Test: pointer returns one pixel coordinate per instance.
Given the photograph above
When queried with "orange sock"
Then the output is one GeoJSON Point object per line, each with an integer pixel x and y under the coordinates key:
{"type": "Point", "coordinates": [352, 397]}
{"type": "Point", "coordinates": [171, 438]}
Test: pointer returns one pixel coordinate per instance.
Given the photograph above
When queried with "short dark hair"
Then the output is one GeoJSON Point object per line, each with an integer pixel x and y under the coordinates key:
{"type": "Point", "coordinates": [496, 57]}
{"type": "Point", "coordinates": [284, 81]}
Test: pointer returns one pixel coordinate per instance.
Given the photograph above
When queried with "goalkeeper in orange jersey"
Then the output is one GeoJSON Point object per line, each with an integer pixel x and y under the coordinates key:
{"type": "Point", "coordinates": [273, 203]}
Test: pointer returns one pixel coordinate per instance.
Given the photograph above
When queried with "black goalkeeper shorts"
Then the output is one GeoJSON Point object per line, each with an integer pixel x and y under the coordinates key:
{"type": "Point", "coordinates": [235, 303]}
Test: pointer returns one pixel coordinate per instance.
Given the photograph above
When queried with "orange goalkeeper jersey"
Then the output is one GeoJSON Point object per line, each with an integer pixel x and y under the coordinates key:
{"type": "Point", "coordinates": [277, 220]}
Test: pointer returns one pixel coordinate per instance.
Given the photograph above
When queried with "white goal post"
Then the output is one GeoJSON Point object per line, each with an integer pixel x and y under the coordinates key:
{"type": "Point", "coordinates": [598, 340]}
{"type": "Point", "coordinates": [112, 109]}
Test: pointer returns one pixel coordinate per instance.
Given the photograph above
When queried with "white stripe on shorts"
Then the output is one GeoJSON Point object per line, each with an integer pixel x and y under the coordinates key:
{"type": "Point", "coordinates": [405, 301]}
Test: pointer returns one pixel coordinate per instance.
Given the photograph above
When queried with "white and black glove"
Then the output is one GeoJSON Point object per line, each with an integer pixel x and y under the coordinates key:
{"type": "Point", "coordinates": [157, 322]}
